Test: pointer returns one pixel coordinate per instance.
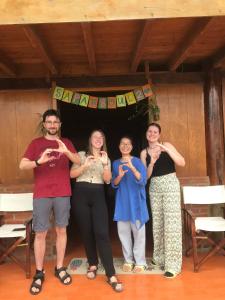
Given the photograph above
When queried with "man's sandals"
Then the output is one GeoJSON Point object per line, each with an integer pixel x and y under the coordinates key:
{"type": "Point", "coordinates": [116, 285]}
{"type": "Point", "coordinates": [37, 282]}
{"type": "Point", "coordinates": [63, 278]}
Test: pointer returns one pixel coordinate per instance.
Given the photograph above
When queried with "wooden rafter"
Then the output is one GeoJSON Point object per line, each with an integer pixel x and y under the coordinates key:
{"type": "Point", "coordinates": [6, 65]}
{"type": "Point", "coordinates": [189, 39]}
{"type": "Point", "coordinates": [219, 58]}
{"type": "Point", "coordinates": [140, 44]}
{"type": "Point", "coordinates": [38, 44]}
{"type": "Point", "coordinates": [89, 45]}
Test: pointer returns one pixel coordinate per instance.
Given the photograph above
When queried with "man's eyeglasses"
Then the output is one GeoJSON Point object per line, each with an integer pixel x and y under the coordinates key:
{"type": "Point", "coordinates": [52, 123]}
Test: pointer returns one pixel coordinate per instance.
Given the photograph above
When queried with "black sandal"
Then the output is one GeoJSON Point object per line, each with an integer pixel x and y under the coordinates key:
{"type": "Point", "coordinates": [41, 276]}
{"type": "Point", "coordinates": [64, 277]}
{"type": "Point", "coordinates": [90, 271]}
{"type": "Point", "coordinates": [115, 284]}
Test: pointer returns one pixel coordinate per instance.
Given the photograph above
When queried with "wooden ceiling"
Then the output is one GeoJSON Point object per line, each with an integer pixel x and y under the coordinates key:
{"type": "Point", "coordinates": [112, 48]}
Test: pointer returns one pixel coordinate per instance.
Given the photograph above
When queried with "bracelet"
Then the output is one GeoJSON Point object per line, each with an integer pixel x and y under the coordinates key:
{"type": "Point", "coordinates": [37, 163]}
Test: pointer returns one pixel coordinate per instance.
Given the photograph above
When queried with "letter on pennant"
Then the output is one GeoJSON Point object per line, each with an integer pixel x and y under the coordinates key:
{"type": "Point", "coordinates": [67, 96]}
{"type": "Point", "coordinates": [93, 102]}
{"type": "Point", "coordinates": [111, 102]}
{"type": "Point", "coordinates": [120, 100]}
{"type": "Point", "coordinates": [84, 100]}
{"type": "Point", "coordinates": [130, 98]}
{"type": "Point", "coordinates": [58, 93]}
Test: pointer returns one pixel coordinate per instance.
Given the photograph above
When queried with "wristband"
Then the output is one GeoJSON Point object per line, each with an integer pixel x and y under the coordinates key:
{"type": "Point", "coordinates": [37, 163]}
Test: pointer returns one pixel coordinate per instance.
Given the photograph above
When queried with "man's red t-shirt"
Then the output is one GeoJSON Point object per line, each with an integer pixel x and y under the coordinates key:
{"type": "Point", "coordinates": [52, 179]}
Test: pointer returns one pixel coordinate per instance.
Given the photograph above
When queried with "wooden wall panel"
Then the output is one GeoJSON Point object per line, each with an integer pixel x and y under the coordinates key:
{"type": "Point", "coordinates": [223, 95]}
{"type": "Point", "coordinates": [20, 114]}
{"type": "Point", "coordinates": [182, 120]}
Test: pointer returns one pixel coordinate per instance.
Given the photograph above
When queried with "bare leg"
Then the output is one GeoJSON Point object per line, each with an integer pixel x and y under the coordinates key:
{"type": "Point", "coordinates": [39, 253]}
{"type": "Point", "coordinates": [39, 248]}
{"type": "Point", "coordinates": [61, 240]}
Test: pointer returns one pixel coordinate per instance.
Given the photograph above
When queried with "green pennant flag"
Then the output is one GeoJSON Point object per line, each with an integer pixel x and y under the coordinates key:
{"type": "Point", "coordinates": [67, 96]}
{"type": "Point", "coordinates": [58, 93]}
{"type": "Point", "coordinates": [76, 98]}
{"type": "Point", "coordinates": [120, 100]}
{"type": "Point", "coordinates": [102, 102]}
{"type": "Point", "coordinates": [84, 100]}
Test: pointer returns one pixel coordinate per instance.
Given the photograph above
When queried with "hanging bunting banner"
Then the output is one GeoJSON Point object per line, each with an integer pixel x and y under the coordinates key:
{"type": "Point", "coordinates": [94, 102]}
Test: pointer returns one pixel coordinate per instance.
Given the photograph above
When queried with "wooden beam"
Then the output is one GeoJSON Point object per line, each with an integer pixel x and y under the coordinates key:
{"type": "Point", "coordinates": [6, 66]}
{"type": "Point", "coordinates": [38, 44]}
{"type": "Point", "coordinates": [140, 44]}
{"type": "Point", "coordinates": [189, 39]}
{"type": "Point", "coordinates": [54, 11]}
{"type": "Point", "coordinates": [89, 45]}
{"type": "Point", "coordinates": [219, 58]}
{"type": "Point", "coordinates": [213, 104]}
{"type": "Point", "coordinates": [119, 82]}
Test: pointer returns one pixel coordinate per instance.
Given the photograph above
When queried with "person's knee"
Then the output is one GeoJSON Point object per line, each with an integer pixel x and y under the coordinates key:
{"type": "Point", "coordinates": [60, 231]}
{"type": "Point", "coordinates": [102, 236]}
{"type": "Point", "coordinates": [40, 235]}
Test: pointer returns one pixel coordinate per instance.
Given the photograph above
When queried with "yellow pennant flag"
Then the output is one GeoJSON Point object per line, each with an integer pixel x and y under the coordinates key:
{"type": "Point", "coordinates": [130, 98]}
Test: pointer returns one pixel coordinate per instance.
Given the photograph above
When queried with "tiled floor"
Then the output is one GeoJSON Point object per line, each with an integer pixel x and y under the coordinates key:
{"type": "Point", "coordinates": [208, 284]}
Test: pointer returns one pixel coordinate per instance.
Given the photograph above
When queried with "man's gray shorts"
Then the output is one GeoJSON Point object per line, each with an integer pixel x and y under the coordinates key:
{"type": "Point", "coordinates": [42, 211]}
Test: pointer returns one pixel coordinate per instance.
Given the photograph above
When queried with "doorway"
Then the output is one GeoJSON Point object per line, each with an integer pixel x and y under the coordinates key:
{"type": "Point", "coordinates": [77, 124]}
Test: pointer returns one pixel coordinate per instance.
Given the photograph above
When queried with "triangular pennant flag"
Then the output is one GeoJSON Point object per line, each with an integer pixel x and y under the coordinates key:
{"type": "Point", "coordinates": [93, 102]}
{"type": "Point", "coordinates": [111, 102]}
{"type": "Point", "coordinates": [58, 93]}
{"type": "Point", "coordinates": [102, 102]}
{"type": "Point", "coordinates": [120, 100]}
{"type": "Point", "coordinates": [147, 90]}
{"type": "Point", "coordinates": [84, 100]}
{"type": "Point", "coordinates": [139, 94]}
{"type": "Point", "coordinates": [67, 96]}
{"type": "Point", "coordinates": [76, 98]}
{"type": "Point", "coordinates": [130, 98]}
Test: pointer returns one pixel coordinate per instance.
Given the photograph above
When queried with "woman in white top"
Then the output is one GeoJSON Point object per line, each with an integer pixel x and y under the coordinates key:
{"type": "Point", "coordinates": [90, 208]}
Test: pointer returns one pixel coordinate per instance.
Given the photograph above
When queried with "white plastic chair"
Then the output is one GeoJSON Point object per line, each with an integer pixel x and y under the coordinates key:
{"type": "Point", "coordinates": [16, 234]}
{"type": "Point", "coordinates": [200, 229]}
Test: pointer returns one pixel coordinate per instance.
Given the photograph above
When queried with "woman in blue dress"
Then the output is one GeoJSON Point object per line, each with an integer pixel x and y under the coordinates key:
{"type": "Point", "coordinates": [131, 213]}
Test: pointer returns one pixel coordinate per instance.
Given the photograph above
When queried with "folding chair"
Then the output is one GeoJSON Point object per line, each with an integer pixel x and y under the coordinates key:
{"type": "Point", "coordinates": [199, 230]}
{"type": "Point", "coordinates": [16, 234]}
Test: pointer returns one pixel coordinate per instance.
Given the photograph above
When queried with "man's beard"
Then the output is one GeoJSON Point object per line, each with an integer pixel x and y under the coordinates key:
{"type": "Point", "coordinates": [52, 132]}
